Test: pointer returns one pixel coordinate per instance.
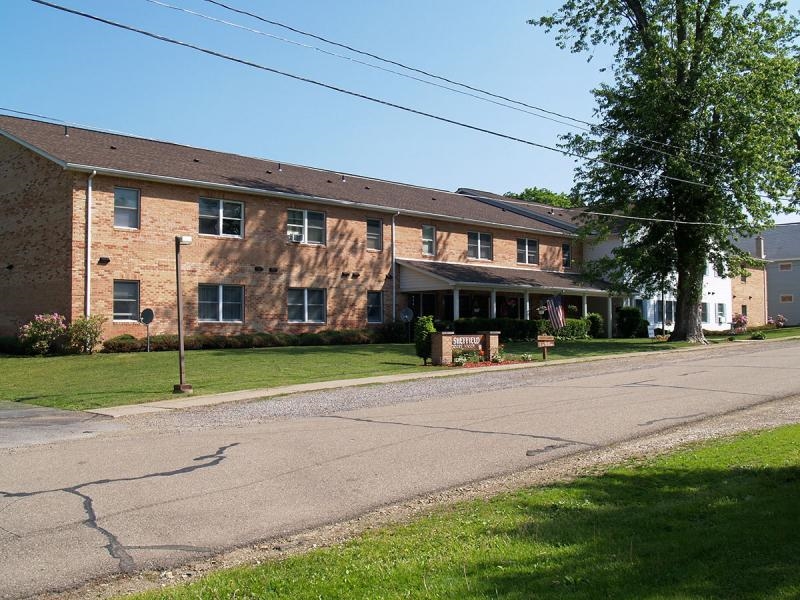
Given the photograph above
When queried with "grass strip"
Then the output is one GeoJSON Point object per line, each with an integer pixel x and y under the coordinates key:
{"type": "Point", "coordinates": [714, 521]}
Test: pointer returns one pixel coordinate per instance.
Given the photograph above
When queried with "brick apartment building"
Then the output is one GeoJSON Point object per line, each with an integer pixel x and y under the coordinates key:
{"type": "Point", "coordinates": [90, 218]}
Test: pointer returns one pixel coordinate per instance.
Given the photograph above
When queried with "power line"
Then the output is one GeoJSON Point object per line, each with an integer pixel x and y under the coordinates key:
{"type": "Point", "coordinates": [454, 82]}
{"type": "Point", "coordinates": [360, 95]}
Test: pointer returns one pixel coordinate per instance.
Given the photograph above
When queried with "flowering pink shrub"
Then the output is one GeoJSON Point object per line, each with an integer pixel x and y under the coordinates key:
{"type": "Point", "coordinates": [42, 333]}
{"type": "Point", "coordinates": [780, 321]}
{"type": "Point", "coordinates": [739, 323]}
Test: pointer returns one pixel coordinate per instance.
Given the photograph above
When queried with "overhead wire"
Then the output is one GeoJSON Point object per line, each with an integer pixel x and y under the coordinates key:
{"type": "Point", "coordinates": [360, 95]}
{"type": "Point", "coordinates": [448, 80]}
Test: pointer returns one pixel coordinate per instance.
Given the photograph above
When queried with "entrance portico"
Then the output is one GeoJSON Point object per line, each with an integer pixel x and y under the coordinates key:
{"type": "Point", "coordinates": [451, 291]}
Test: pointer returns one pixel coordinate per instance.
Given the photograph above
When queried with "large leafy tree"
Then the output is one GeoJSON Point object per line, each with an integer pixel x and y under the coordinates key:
{"type": "Point", "coordinates": [545, 196]}
{"type": "Point", "coordinates": [700, 125]}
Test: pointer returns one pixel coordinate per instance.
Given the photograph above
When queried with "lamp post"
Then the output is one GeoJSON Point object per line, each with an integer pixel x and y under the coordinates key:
{"type": "Point", "coordinates": [182, 387]}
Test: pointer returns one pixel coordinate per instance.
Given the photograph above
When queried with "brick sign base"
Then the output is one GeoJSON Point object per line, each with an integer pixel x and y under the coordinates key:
{"type": "Point", "coordinates": [445, 342]}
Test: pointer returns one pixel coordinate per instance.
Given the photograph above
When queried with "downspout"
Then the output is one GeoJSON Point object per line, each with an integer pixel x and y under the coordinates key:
{"type": "Point", "coordinates": [394, 269]}
{"type": "Point", "coordinates": [87, 309]}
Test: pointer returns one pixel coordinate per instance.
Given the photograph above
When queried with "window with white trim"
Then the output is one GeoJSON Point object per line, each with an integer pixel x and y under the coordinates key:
{"type": "Point", "coordinates": [721, 313]}
{"type": "Point", "coordinates": [374, 234]}
{"type": "Point", "coordinates": [428, 240]}
{"type": "Point", "coordinates": [221, 217]}
{"type": "Point", "coordinates": [126, 300]}
{"type": "Point", "coordinates": [374, 307]}
{"type": "Point", "coordinates": [126, 208]}
{"type": "Point", "coordinates": [787, 298]}
{"type": "Point", "coordinates": [704, 315]}
{"type": "Point", "coordinates": [479, 245]}
{"type": "Point", "coordinates": [305, 226]}
{"type": "Point", "coordinates": [306, 305]}
{"type": "Point", "coordinates": [220, 303]}
{"type": "Point", "coordinates": [527, 251]}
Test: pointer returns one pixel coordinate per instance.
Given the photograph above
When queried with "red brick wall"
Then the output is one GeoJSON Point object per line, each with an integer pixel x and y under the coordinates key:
{"type": "Point", "coordinates": [451, 244]}
{"type": "Point", "coordinates": [34, 237]}
{"type": "Point", "coordinates": [147, 255]}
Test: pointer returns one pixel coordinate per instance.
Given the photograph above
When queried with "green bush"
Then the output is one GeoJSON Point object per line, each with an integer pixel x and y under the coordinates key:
{"type": "Point", "coordinates": [629, 320]}
{"type": "Point", "coordinates": [124, 343]}
{"type": "Point", "coordinates": [11, 345]}
{"type": "Point", "coordinates": [758, 335]}
{"type": "Point", "coordinates": [423, 329]}
{"type": "Point", "coordinates": [510, 329]}
{"type": "Point", "coordinates": [596, 325]}
{"type": "Point", "coordinates": [574, 329]}
{"type": "Point", "coordinates": [396, 332]}
{"type": "Point", "coordinates": [643, 331]}
{"type": "Point", "coordinates": [84, 334]}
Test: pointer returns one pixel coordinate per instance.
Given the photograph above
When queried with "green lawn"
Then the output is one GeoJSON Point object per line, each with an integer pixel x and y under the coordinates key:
{"type": "Point", "coordinates": [81, 382]}
{"type": "Point", "coordinates": [715, 521]}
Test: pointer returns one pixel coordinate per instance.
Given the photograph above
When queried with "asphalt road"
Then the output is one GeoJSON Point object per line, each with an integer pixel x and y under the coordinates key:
{"type": "Point", "coordinates": [162, 492]}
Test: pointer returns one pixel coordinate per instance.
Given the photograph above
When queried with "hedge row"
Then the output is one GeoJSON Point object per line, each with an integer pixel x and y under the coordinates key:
{"type": "Point", "coordinates": [389, 333]}
{"type": "Point", "coordinates": [520, 330]}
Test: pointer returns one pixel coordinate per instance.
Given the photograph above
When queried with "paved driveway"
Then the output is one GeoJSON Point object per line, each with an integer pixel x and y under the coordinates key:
{"type": "Point", "coordinates": [23, 424]}
{"type": "Point", "coordinates": [170, 489]}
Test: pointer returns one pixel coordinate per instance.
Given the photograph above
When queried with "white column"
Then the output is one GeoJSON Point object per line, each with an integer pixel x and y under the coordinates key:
{"type": "Point", "coordinates": [456, 307]}
{"type": "Point", "coordinates": [609, 324]}
{"type": "Point", "coordinates": [493, 305]}
{"type": "Point", "coordinates": [585, 306]}
{"type": "Point", "coordinates": [527, 306]}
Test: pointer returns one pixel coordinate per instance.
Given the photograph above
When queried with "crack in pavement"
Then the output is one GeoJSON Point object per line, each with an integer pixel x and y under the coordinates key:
{"type": "Point", "coordinates": [702, 414]}
{"type": "Point", "coordinates": [463, 429]}
{"type": "Point", "coordinates": [549, 448]}
{"type": "Point", "coordinates": [115, 548]}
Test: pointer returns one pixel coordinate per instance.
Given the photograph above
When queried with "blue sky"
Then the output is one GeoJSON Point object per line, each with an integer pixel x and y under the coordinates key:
{"type": "Point", "coordinates": [69, 68]}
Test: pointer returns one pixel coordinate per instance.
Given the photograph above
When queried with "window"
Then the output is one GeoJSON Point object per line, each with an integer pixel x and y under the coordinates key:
{"type": "Point", "coordinates": [306, 226]}
{"type": "Point", "coordinates": [126, 208]}
{"type": "Point", "coordinates": [126, 300]}
{"type": "Point", "coordinates": [220, 303]}
{"type": "Point", "coordinates": [374, 307]}
{"type": "Point", "coordinates": [743, 278]}
{"type": "Point", "coordinates": [374, 234]}
{"type": "Point", "coordinates": [665, 312]}
{"type": "Point", "coordinates": [704, 312]}
{"type": "Point", "coordinates": [787, 298]}
{"type": "Point", "coordinates": [528, 251]}
{"type": "Point", "coordinates": [744, 310]}
{"type": "Point", "coordinates": [428, 240]}
{"type": "Point", "coordinates": [306, 305]}
{"type": "Point", "coordinates": [721, 313]}
{"type": "Point", "coordinates": [221, 217]}
{"type": "Point", "coordinates": [566, 256]}
{"type": "Point", "coordinates": [785, 266]}
{"type": "Point", "coordinates": [479, 245]}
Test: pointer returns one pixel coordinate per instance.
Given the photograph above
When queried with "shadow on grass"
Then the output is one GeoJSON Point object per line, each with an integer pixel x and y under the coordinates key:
{"type": "Point", "coordinates": [676, 534]}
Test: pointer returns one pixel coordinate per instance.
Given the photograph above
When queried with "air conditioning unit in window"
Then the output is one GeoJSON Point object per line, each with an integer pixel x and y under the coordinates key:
{"type": "Point", "coordinates": [295, 238]}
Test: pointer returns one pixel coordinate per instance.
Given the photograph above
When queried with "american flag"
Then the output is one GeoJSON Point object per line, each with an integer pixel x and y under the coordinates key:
{"type": "Point", "coordinates": [556, 312]}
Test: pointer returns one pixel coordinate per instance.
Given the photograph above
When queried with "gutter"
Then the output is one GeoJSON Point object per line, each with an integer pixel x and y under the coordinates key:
{"type": "Point", "coordinates": [87, 295]}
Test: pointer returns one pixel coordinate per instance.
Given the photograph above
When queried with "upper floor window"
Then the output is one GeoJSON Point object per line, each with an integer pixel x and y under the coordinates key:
{"type": "Point", "coordinates": [528, 251]}
{"type": "Point", "coordinates": [428, 240]}
{"type": "Point", "coordinates": [566, 256]}
{"type": "Point", "coordinates": [126, 300]}
{"type": "Point", "coordinates": [305, 226]}
{"type": "Point", "coordinates": [743, 278]}
{"type": "Point", "coordinates": [479, 245]}
{"type": "Point", "coordinates": [126, 208]}
{"type": "Point", "coordinates": [221, 217]}
{"type": "Point", "coordinates": [787, 266]}
{"type": "Point", "coordinates": [374, 307]}
{"type": "Point", "coordinates": [787, 298]}
{"type": "Point", "coordinates": [220, 302]}
{"type": "Point", "coordinates": [704, 316]}
{"type": "Point", "coordinates": [306, 305]}
{"type": "Point", "coordinates": [374, 234]}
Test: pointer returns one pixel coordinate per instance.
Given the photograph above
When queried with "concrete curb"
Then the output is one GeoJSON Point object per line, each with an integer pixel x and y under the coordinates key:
{"type": "Point", "coordinates": [263, 393]}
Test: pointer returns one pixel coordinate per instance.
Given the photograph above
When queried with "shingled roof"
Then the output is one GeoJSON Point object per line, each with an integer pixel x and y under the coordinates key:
{"type": "Point", "coordinates": [483, 275]}
{"type": "Point", "coordinates": [112, 153]}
